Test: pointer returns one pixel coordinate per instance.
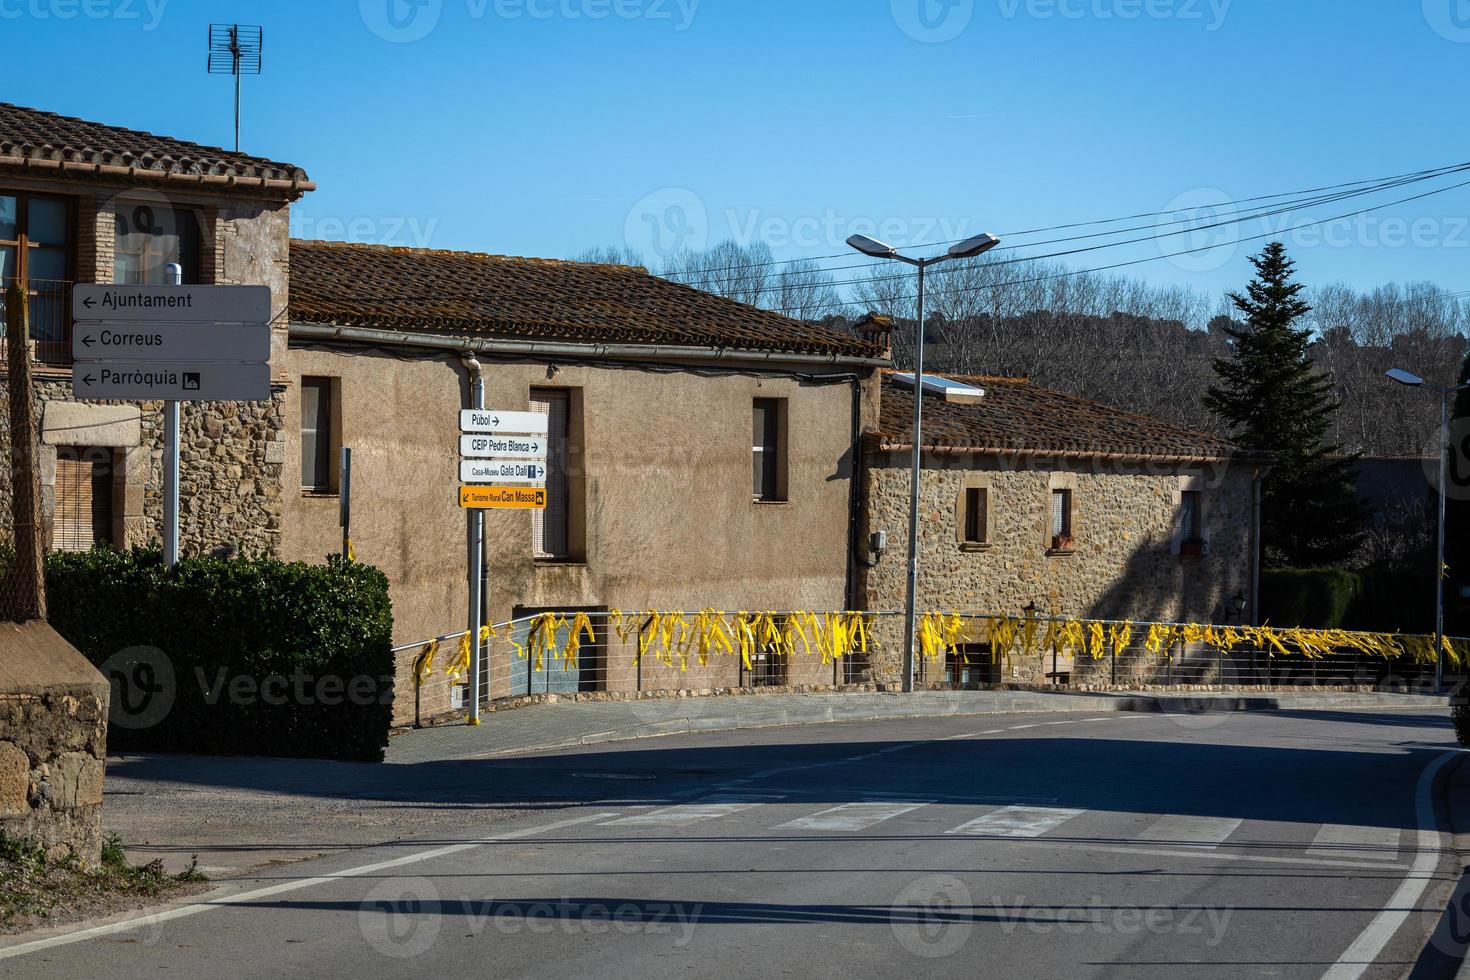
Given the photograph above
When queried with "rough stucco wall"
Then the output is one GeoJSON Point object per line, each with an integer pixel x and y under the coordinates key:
{"type": "Point", "coordinates": [1124, 565]}
{"type": "Point", "coordinates": [666, 475]}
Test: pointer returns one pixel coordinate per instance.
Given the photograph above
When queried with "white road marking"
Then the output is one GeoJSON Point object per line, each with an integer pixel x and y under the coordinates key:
{"type": "Point", "coordinates": [1018, 821]}
{"type": "Point", "coordinates": [1206, 832]}
{"type": "Point", "coordinates": [1356, 959]}
{"type": "Point", "coordinates": [686, 814]}
{"type": "Point", "coordinates": [850, 816]}
{"type": "Point", "coordinates": [240, 898]}
{"type": "Point", "coordinates": [1362, 843]}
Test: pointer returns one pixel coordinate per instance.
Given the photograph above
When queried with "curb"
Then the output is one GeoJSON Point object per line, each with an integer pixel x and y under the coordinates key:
{"type": "Point", "coordinates": [894, 707]}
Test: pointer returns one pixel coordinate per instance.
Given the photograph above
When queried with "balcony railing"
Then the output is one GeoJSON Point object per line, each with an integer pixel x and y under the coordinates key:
{"type": "Point", "coordinates": [50, 309]}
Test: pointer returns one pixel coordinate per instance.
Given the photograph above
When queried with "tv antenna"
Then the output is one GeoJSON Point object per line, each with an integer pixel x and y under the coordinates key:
{"type": "Point", "coordinates": [234, 49]}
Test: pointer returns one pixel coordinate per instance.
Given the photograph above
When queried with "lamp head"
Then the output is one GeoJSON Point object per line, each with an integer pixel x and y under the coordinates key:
{"type": "Point", "coordinates": [971, 247]}
{"type": "Point", "coordinates": [873, 247]}
{"type": "Point", "coordinates": [1405, 378]}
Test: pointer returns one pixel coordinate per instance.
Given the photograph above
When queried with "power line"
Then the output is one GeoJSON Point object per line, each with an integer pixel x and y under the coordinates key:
{"type": "Point", "coordinates": [1170, 255]}
{"type": "Point", "coordinates": [1425, 174]}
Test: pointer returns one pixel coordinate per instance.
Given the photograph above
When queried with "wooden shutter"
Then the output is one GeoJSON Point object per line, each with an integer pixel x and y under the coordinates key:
{"type": "Point", "coordinates": [83, 513]}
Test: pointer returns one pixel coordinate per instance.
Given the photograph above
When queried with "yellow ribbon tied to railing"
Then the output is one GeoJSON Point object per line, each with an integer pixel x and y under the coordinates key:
{"type": "Point", "coordinates": [424, 668]}
{"type": "Point", "coordinates": [581, 624]}
{"type": "Point", "coordinates": [460, 665]}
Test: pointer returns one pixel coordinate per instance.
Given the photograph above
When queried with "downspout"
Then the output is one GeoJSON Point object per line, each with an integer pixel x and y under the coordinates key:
{"type": "Point", "coordinates": [1256, 547]}
{"type": "Point", "coordinates": [854, 494]}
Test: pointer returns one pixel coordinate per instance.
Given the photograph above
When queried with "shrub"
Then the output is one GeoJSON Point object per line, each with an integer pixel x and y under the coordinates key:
{"type": "Point", "coordinates": [1460, 713]}
{"type": "Point", "coordinates": [1317, 598]}
{"type": "Point", "coordinates": [1394, 601]}
{"type": "Point", "coordinates": [230, 656]}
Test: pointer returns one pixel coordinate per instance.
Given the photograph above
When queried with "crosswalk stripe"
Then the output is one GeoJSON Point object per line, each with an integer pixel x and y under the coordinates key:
{"type": "Point", "coordinates": [1018, 821]}
{"type": "Point", "coordinates": [1363, 843]}
{"type": "Point", "coordinates": [685, 814]}
{"type": "Point", "coordinates": [1205, 832]}
{"type": "Point", "coordinates": [850, 816]}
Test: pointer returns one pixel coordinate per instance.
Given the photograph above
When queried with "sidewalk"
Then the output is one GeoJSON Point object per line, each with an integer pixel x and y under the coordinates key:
{"type": "Point", "coordinates": [564, 725]}
{"type": "Point", "coordinates": [239, 814]}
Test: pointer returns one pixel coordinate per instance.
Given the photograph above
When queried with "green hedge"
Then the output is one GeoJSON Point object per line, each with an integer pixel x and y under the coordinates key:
{"type": "Point", "coordinates": [1394, 601]}
{"type": "Point", "coordinates": [1318, 598]}
{"type": "Point", "coordinates": [233, 657]}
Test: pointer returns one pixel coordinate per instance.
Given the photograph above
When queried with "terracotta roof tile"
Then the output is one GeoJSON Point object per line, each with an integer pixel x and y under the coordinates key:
{"type": "Point", "coordinates": [1016, 416]}
{"type": "Point", "coordinates": [504, 297]}
{"type": "Point", "coordinates": [34, 135]}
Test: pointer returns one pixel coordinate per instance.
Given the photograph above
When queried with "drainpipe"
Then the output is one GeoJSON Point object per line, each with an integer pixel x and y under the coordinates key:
{"type": "Point", "coordinates": [479, 590]}
{"type": "Point", "coordinates": [1256, 548]}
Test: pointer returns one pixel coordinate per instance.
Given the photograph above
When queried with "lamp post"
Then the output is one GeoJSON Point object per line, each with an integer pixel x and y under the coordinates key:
{"type": "Point", "coordinates": [1414, 381]}
{"type": "Point", "coordinates": [966, 249]}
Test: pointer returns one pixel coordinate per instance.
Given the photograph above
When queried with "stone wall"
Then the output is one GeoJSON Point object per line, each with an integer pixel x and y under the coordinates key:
{"type": "Point", "coordinates": [1125, 564]}
{"type": "Point", "coordinates": [53, 743]}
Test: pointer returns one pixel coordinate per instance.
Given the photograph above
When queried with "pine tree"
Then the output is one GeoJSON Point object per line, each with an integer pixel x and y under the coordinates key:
{"type": "Point", "coordinates": [1457, 508]}
{"type": "Point", "coordinates": [1274, 401]}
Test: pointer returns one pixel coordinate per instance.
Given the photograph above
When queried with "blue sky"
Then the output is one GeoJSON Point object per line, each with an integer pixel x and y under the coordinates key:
{"type": "Point", "coordinates": [544, 127]}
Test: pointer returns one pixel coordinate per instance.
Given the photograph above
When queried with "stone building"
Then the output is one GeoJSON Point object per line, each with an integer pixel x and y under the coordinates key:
{"type": "Point", "coordinates": [701, 451]}
{"type": "Point", "coordinates": [83, 202]}
{"type": "Point", "coordinates": [1033, 498]}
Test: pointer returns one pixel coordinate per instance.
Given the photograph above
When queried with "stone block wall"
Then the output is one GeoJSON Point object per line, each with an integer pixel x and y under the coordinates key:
{"type": "Point", "coordinates": [1125, 564]}
{"type": "Point", "coordinates": [53, 743]}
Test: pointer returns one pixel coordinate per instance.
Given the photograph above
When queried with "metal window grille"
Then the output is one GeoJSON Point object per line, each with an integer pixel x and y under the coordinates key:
{"type": "Point", "coordinates": [1061, 512]}
{"type": "Point", "coordinates": [549, 527]}
{"type": "Point", "coordinates": [1189, 515]}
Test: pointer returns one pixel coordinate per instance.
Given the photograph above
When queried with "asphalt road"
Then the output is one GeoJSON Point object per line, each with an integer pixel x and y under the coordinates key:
{"type": "Point", "coordinates": [1128, 845]}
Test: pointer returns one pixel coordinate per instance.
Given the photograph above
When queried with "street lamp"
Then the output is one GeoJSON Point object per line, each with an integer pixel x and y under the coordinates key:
{"type": "Point", "coordinates": [1414, 381]}
{"type": "Point", "coordinates": [969, 248]}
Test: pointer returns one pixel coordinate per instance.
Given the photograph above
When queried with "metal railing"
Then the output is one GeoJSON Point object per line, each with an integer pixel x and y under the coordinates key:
{"type": "Point", "coordinates": [49, 302]}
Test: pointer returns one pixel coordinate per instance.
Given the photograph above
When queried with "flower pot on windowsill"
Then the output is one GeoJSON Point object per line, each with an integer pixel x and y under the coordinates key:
{"type": "Point", "coordinates": [1063, 544]}
{"type": "Point", "coordinates": [1194, 548]}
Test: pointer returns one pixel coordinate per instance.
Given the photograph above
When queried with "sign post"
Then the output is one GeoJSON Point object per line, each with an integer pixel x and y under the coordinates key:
{"type": "Point", "coordinates": [171, 343]}
{"type": "Point", "coordinates": [496, 448]}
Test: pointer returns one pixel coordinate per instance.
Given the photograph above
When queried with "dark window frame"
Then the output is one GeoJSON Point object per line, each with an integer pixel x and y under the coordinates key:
{"type": "Point", "coordinates": [324, 479]}
{"type": "Point", "coordinates": [768, 451]}
{"type": "Point", "coordinates": [51, 333]}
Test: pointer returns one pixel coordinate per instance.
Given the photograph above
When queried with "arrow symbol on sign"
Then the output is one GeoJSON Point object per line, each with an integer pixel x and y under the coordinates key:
{"type": "Point", "coordinates": [495, 421]}
{"type": "Point", "coordinates": [89, 302]}
{"type": "Point", "coordinates": [88, 379]}
{"type": "Point", "coordinates": [87, 340]}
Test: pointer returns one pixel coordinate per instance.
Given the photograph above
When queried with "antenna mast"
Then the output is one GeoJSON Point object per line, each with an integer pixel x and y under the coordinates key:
{"type": "Point", "coordinates": [234, 49]}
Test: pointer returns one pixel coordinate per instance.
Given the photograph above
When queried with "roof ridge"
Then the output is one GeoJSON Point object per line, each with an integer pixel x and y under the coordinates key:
{"type": "Point", "coordinates": [219, 150]}
{"type": "Point", "coordinates": [459, 253]}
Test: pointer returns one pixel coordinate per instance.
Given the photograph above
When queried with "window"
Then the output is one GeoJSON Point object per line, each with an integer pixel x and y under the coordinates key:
{"type": "Point", "coordinates": [976, 503]}
{"type": "Point", "coordinates": [1061, 516]}
{"type": "Point", "coordinates": [1189, 515]}
{"type": "Point", "coordinates": [149, 237]}
{"type": "Point", "coordinates": [768, 476]}
{"type": "Point", "coordinates": [317, 422]}
{"type": "Point", "coordinates": [83, 513]}
{"type": "Point", "coordinates": [35, 251]}
{"type": "Point", "coordinates": [970, 666]}
{"type": "Point", "coordinates": [550, 528]}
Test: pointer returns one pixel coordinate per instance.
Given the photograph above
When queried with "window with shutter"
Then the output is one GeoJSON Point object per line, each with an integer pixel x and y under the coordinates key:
{"type": "Point", "coordinates": [767, 483]}
{"type": "Point", "coordinates": [550, 527]}
{"type": "Point", "coordinates": [317, 470]}
{"type": "Point", "coordinates": [1061, 513]}
{"type": "Point", "coordinates": [83, 512]}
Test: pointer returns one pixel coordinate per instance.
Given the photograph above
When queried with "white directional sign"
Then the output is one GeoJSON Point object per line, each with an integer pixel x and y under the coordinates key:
{"type": "Point", "coordinates": [489, 420]}
{"type": "Point", "coordinates": [507, 447]}
{"type": "Point", "coordinates": [171, 304]}
{"type": "Point", "coordinates": [185, 381]}
{"type": "Point", "coordinates": [501, 471]}
{"type": "Point", "coordinates": [171, 342]}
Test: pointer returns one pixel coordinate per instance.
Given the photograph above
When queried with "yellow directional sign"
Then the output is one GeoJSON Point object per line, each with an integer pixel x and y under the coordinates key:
{"type": "Point", "coordinates": [498, 498]}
